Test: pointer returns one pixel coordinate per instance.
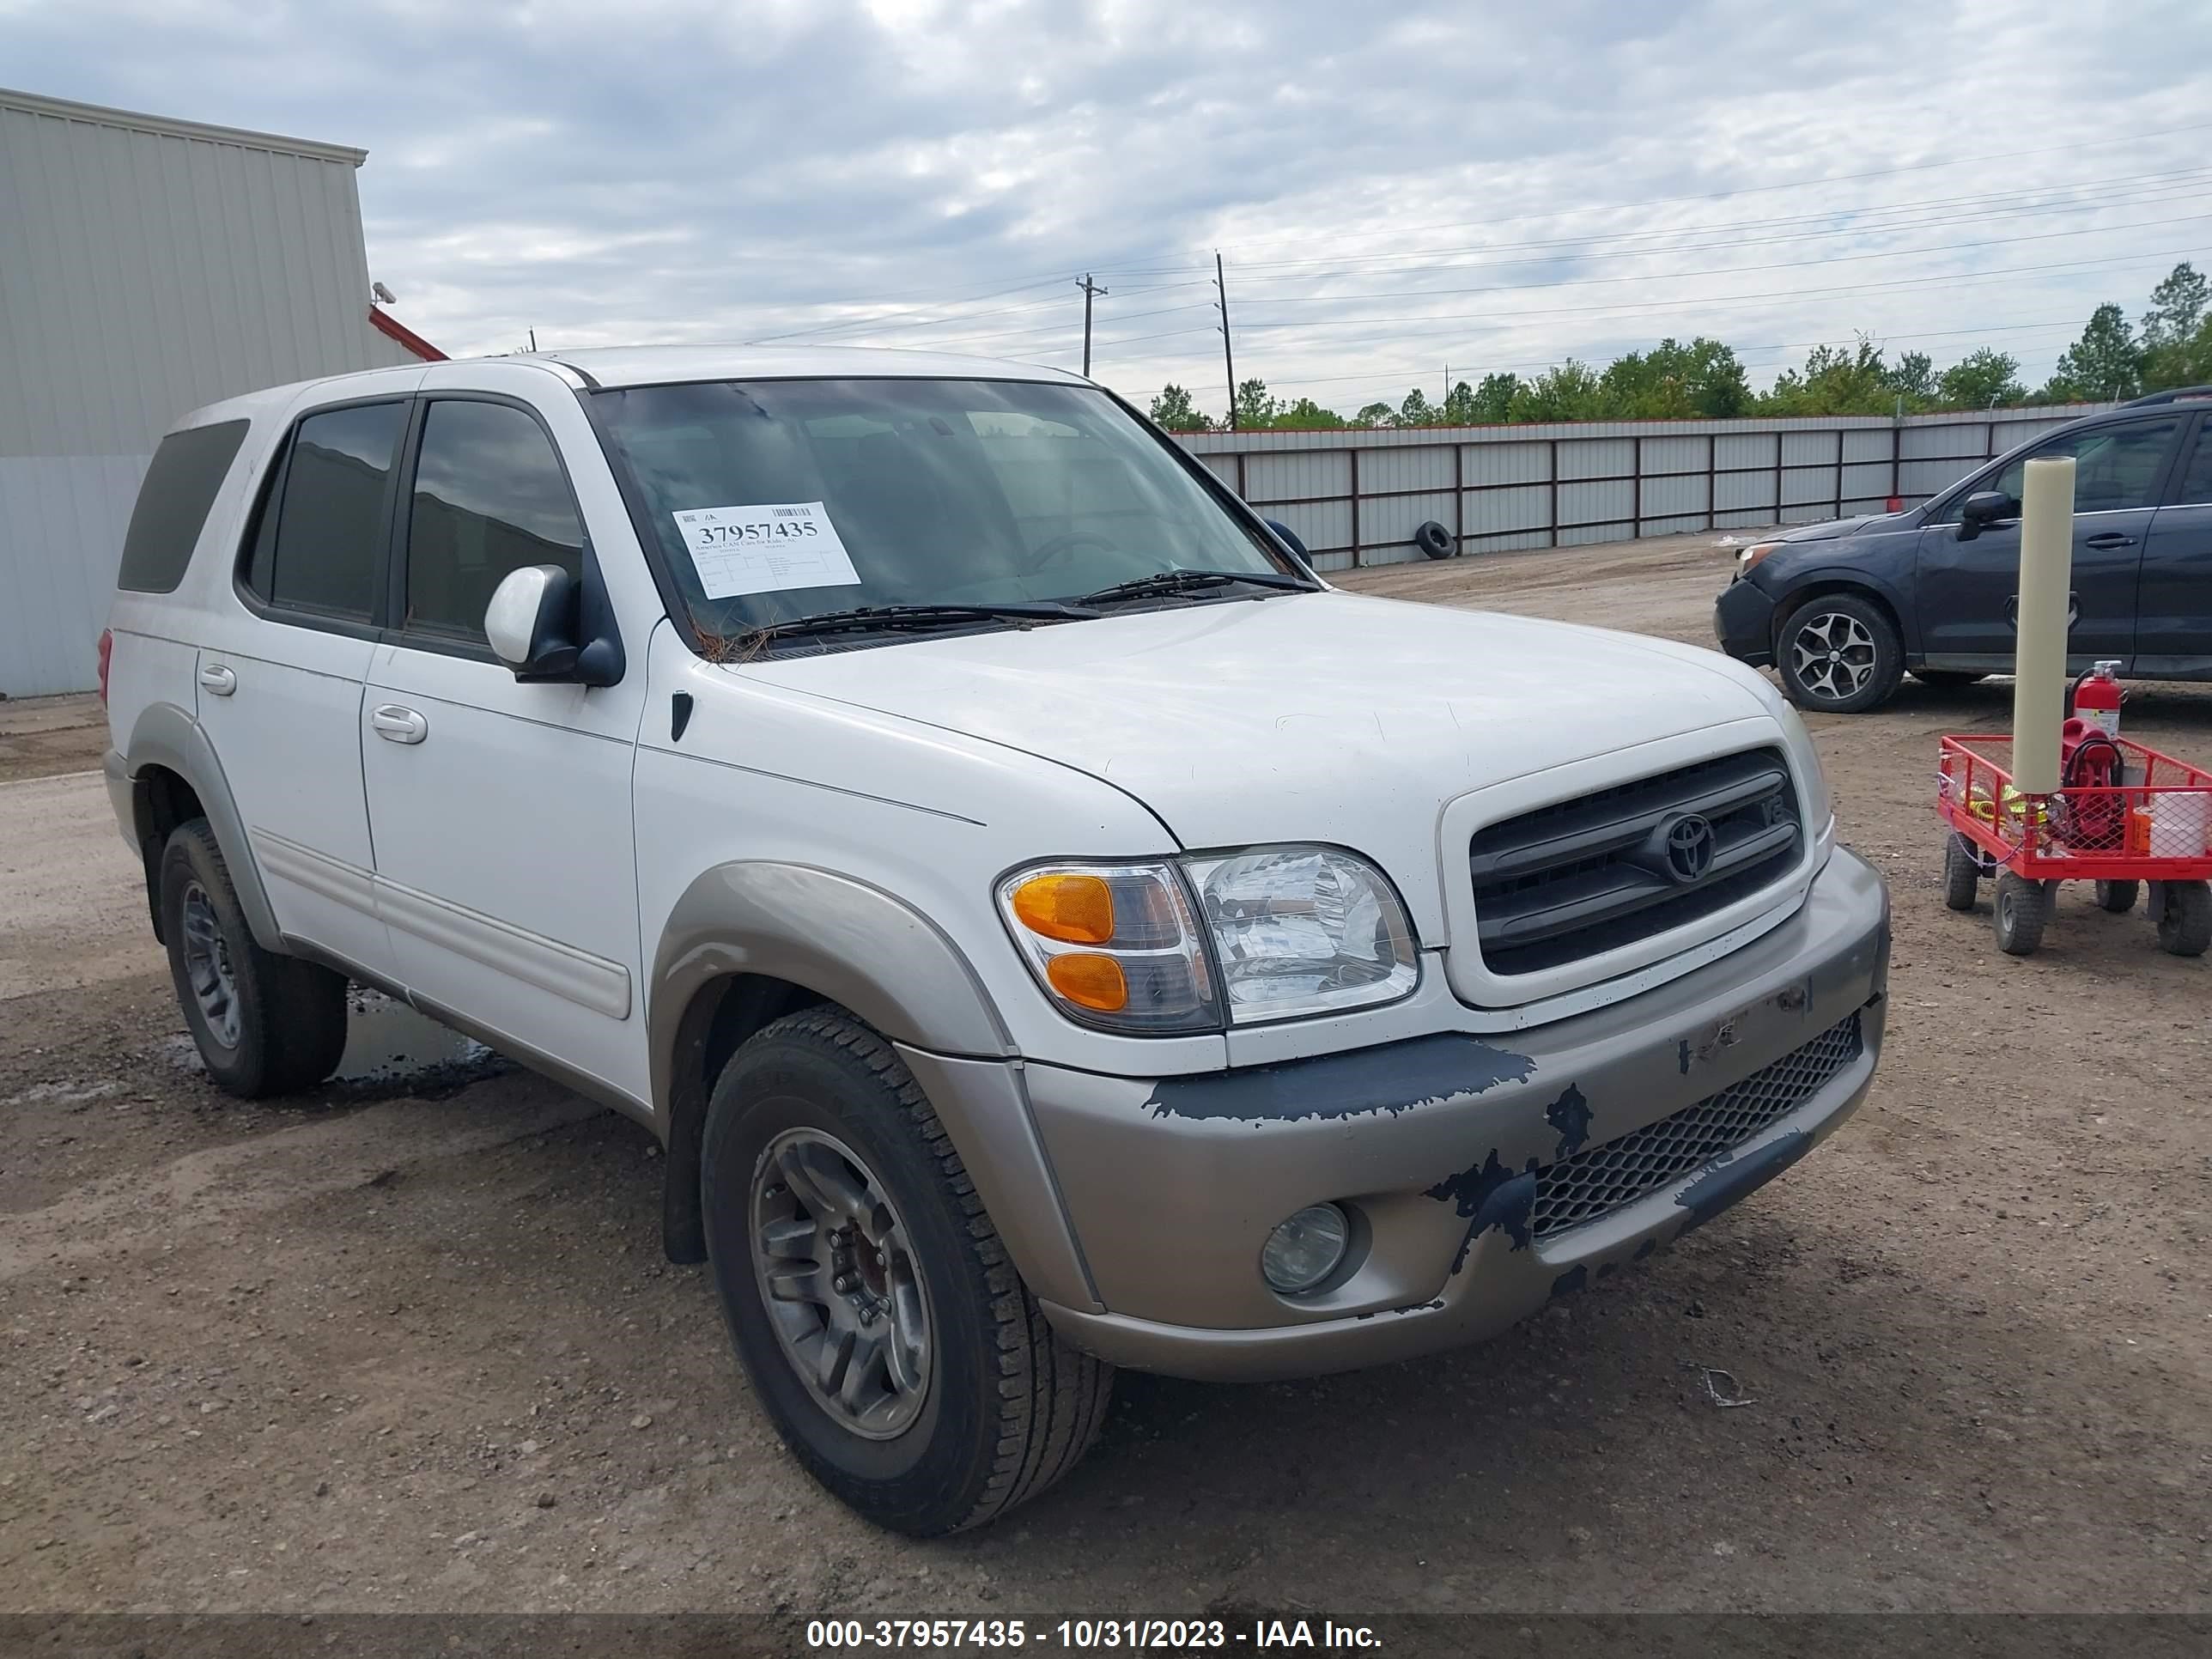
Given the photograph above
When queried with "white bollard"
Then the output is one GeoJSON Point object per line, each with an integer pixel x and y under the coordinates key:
{"type": "Point", "coordinates": [2046, 577]}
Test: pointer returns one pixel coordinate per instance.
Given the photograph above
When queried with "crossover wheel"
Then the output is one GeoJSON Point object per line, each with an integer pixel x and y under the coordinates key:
{"type": "Point", "coordinates": [2023, 909]}
{"type": "Point", "coordinates": [889, 1339]}
{"type": "Point", "coordinates": [1840, 654]}
{"type": "Point", "coordinates": [1962, 872]}
{"type": "Point", "coordinates": [264, 1023]}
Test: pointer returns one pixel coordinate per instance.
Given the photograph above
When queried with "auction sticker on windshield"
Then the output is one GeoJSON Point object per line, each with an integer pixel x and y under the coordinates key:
{"type": "Point", "coordinates": [764, 549]}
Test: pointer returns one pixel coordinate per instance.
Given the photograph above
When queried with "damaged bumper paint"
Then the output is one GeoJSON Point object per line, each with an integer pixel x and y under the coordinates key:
{"type": "Point", "coordinates": [1439, 1148]}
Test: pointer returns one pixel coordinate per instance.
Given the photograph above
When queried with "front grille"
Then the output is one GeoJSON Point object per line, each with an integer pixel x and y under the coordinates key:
{"type": "Point", "coordinates": [1589, 875]}
{"type": "Point", "coordinates": [1602, 1178]}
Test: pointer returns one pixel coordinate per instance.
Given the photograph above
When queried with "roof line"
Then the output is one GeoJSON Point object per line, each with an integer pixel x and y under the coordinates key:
{"type": "Point", "coordinates": [385, 323]}
{"type": "Point", "coordinates": [34, 103]}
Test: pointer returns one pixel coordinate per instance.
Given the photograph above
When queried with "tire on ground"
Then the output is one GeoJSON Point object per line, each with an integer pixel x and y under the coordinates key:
{"type": "Point", "coordinates": [1840, 654]}
{"type": "Point", "coordinates": [1962, 872]}
{"type": "Point", "coordinates": [2117, 896]}
{"type": "Point", "coordinates": [1008, 1407]}
{"type": "Point", "coordinates": [291, 1014]}
{"type": "Point", "coordinates": [2185, 918]}
{"type": "Point", "coordinates": [2023, 909]}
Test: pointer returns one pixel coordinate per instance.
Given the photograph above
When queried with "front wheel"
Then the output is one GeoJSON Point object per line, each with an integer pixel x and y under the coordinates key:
{"type": "Point", "coordinates": [892, 1343]}
{"type": "Point", "coordinates": [2023, 910]}
{"type": "Point", "coordinates": [1840, 654]}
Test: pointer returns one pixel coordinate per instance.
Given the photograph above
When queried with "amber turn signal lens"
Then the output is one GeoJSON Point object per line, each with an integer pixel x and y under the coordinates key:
{"type": "Point", "coordinates": [1075, 910]}
{"type": "Point", "coordinates": [1090, 981]}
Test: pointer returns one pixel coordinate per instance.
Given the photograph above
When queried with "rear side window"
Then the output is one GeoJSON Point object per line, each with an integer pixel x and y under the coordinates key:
{"type": "Point", "coordinates": [2196, 488]}
{"type": "Point", "coordinates": [316, 547]}
{"type": "Point", "coordinates": [180, 487]}
{"type": "Point", "coordinates": [490, 498]}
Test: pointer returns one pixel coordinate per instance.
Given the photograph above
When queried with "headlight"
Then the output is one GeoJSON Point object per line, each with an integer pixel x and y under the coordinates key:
{"type": "Point", "coordinates": [1113, 945]}
{"type": "Point", "coordinates": [1293, 930]}
{"type": "Point", "coordinates": [1304, 930]}
{"type": "Point", "coordinates": [1752, 555]}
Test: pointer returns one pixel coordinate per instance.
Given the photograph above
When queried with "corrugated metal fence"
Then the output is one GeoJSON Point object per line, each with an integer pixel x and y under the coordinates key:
{"type": "Point", "coordinates": [1356, 498]}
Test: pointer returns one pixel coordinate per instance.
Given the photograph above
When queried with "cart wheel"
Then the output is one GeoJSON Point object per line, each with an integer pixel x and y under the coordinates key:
{"type": "Point", "coordinates": [2023, 907]}
{"type": "Point", "coordinates": [2183, 912]}
{"type": "Point", "coordinates": [2117, 896]}
{"type": "Point", "coordinates": [1962, 872]}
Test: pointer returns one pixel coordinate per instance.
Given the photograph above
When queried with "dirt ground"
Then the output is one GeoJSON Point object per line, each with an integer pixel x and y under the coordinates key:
{"type": "Point", "coordinates": [406, 1347]}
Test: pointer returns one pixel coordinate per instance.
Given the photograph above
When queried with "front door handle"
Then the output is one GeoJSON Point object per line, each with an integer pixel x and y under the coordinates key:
{"type": "Point", "coordinates": [2110, 539]}
{"type": "Point", "coordinates": [396, 725]}
{"type": "Point", "coordinates": [219, 680]}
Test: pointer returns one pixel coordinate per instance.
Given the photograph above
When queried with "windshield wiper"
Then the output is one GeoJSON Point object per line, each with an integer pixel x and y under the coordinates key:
{"type": "Point", "coordinates": [1184, 581]}
{"type": "Point", "coordinates": [899, 618]}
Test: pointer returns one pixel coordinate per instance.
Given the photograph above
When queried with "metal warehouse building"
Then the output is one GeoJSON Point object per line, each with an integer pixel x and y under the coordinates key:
{"type": "Point", "coordinates": [147, 266]}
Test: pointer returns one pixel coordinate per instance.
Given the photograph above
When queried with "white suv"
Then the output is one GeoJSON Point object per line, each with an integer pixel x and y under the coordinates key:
{"type": "Point", "coordinates": [1047, 927]}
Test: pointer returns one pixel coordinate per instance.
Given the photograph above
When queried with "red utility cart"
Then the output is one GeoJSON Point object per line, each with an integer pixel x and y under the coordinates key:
{"type": "Point", "coordinates": [2155, 825]}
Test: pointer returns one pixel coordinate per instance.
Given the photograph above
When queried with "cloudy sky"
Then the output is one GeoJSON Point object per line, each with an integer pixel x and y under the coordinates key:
{"type": "Point", "coordinates": [1393, 187]}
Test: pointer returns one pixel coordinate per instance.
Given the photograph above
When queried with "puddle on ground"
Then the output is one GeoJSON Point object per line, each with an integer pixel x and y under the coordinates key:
{"type": "Point", "coordinates": [390, 1049]}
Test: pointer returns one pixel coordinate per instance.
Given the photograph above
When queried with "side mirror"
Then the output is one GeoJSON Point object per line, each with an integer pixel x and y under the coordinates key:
{"type": "Point", "coordinates": [532, 623]}
{"type": "Point", "coordinates": [1981, 509]}
{"type": "Point", "coordinates": [1289, 538]}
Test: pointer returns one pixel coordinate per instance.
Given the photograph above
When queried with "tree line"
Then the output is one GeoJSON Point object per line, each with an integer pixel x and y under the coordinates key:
{"type": "Point", "coordinates": [1704, 380]}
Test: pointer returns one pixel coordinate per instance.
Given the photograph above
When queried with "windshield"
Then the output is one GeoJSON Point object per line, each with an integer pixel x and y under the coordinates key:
{"type": "Point", "coordinates": [771, 499]}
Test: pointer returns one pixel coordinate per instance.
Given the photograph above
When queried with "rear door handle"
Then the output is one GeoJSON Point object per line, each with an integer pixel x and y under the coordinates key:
{"type": "Point", "coordinates": [396, 725]}
{"type": "Point", "coordinates": [2110, 539]}
{"type": "Point", "coordinates": [218, 679]}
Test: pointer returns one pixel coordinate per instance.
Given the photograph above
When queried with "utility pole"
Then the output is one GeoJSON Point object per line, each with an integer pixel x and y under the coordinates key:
{"type": "Point", "coordinates": [1228, 355]}
{"type": "Point", "coordinates": [1090, 289]}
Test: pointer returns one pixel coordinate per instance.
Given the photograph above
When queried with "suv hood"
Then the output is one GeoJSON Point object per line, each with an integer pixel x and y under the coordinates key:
{"type": "Point", "coordinates": [1325, 716]}
{"type": "Point", "coordinates": [1835, 527]}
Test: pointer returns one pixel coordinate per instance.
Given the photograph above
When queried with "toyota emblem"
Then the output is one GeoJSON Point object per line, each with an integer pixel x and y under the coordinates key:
{"type": "Point", "coordinates": [1689, 847]}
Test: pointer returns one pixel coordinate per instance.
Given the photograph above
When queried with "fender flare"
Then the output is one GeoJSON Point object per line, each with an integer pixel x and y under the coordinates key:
{"type": "Point", "coordinates": [891, 967]}
{"type": "Point", "coordinates": [1829, 578]}
{"type": "Point", "coordinates": [168, 735]}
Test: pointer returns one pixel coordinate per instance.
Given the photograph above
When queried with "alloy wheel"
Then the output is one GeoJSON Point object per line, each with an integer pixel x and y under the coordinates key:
{"type": "Point", "coordinates": [1833, 656]}
{"type": "Point", "coordinates": [207, 964]}
{"type": "Point", "coordinates": [838, 1277]}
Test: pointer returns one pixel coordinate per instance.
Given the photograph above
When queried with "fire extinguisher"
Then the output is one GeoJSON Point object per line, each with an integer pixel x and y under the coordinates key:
{"type": "Point", "coordinates": [2096, 698]}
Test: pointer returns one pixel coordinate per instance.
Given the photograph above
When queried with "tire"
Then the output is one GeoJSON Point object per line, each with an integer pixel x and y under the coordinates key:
{"type": "Point", "coordinates": [1840, 654]}
{"type": "Point", "coordinates": [265, 1024]}
{"type": "Point", "coordinates": [999, 1406]}
{"type": "Point", "coordinates": [2117, 896]}
{"type": "Point", "coordinates": [1962, 872]}
{"type": "Point", "coordinates": [1434, 540]}
{"type": "Point", "coordinates": [2185, 917]}
{"type": "Point", "coordinates": [2023, 909]}
{"type": "Point", "coordinates": [1947, 679]}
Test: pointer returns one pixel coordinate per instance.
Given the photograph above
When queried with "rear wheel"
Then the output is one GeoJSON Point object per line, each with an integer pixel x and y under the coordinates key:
{"type": "Point", "coordinates": [894, 1346]}
{"type": "Point", "coordinates": [264, 1023]}
{"type": "Point", "coordinates": [1962, 872]}
{"type": "Point", "coordinates": [2183, 911]}
{"type": "Point", "coordinates": [1840, 654]}
{"type": "Point", "coordinates": [2117, 896]}
{"type": "Point", "coordinates": [2023, 908]}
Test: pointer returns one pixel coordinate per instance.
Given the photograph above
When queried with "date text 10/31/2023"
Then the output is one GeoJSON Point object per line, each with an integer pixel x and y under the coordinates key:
{"type": "Point", "coordinates": [853, 1635]}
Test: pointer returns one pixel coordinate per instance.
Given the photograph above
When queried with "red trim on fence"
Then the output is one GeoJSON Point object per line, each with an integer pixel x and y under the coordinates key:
{"type": "Point", "coordinates": [385, 324]}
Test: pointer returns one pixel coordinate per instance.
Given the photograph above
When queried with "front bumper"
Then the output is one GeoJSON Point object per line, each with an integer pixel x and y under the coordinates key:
{"type": "Point", "coordinates": [1437, 1145]}
{"type": "Point", "coordinates": [1743, 622]}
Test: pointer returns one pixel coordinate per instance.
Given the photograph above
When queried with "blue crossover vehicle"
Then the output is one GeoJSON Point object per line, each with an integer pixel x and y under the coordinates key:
{"type": "Point", "coordinates": [1843, 610]}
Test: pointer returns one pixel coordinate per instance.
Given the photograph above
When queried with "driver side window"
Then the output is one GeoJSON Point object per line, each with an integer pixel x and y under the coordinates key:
{"type": "Point", "coordinates": [2115, 468]}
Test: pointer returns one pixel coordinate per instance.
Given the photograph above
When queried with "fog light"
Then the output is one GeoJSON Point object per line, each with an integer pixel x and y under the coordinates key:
{"type": "Point", "coordinates": [1305, 1249]}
